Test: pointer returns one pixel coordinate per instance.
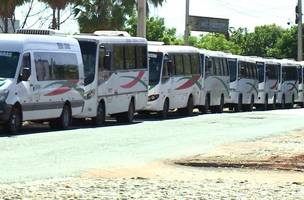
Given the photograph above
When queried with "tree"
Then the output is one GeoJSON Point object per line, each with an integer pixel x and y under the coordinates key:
{"type": "Point", "coordinates": [95, 15]}
{"type": "Point", "coordinates": [156, 30]}
{"type": "Point", "coordinates": [7, 11]}
{"type": "Point", "coordinates": [59, 5]}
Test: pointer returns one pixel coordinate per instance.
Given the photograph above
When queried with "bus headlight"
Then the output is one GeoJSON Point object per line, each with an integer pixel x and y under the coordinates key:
{"type": "Point", "coordinates": [3, 95]}
{"type": "Point", "coordinates": [153, 97]}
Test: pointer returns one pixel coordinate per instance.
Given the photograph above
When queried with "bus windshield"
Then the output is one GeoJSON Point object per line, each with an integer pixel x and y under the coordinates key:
{"type": "Point", "coordinates": [290, 73]}
{"type": "Point", "coordinates": [272, 71]}
{"type": "Point", "coordinates": [8, 64]}
{"type": "Point", "coordinates": [155, 63]}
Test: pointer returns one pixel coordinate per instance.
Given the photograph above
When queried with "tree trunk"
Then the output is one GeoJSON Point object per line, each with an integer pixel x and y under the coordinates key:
{"type": "Point", "coordinates": [5, 25]}
{"type": "Point", "coordinates": [54, 26]}
{"type": "Point", "coordinates": [58, 19]}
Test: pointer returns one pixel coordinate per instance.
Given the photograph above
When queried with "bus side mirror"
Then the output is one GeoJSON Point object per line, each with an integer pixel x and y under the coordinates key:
{"type": "Point", "coordinates": [25, 75]}
{"type": "Point", "coordinates": [107, 61]}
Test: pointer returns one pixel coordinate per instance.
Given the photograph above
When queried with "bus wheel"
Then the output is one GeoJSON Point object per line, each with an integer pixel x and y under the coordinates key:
{"type": "Point", "coordinates": [238, 106]}
{"type": "Point", "coordinates": [189, 108]}
{"type": "Point", "coordinates": [274, 104]}
{"type": "Point", "coordinates": [265, 106]}
{"type": "Point", "coordinates": [14, 122]}
{"type": "Point", "coordinates": [204, 109]}
{"type": "Point", "coordinates": [101, 115]}
{"type": "Point", "coordinates": [165, 111]}
{"type": "Point", "coordinates": [128, 116]}
{"type": "Point", "coordinates": [250, 106]}
{"type": "Point", "coordinates": [292, 102]}
{"type": "Point", "coordinates": [65, 118]}
{"type": "Point", "coordinates": [220, 108]}
{"type": "Point", "coordinates": [283, 104]}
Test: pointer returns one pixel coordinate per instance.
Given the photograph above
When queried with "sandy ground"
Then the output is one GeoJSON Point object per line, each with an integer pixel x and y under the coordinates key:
{"type": "Point", "coordinates": [265, 168]}
{"type": "Point", "coordinates": [280, 159]}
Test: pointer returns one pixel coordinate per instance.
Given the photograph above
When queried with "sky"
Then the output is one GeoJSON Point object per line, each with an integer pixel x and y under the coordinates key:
{"type": "Point", "coordinates": [241, 13]}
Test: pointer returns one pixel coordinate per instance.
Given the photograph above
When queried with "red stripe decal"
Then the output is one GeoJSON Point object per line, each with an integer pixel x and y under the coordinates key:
{"type": "Point", "coordinates": [59, 91]}
{"type": "Point", "coordinates": [135, 81]}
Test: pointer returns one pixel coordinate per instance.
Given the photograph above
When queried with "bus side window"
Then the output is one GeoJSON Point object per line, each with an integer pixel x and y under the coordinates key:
{"type": "Point", "coordinates": [208, 66]}
{"type": "Point", "coordinates": [104, 64]}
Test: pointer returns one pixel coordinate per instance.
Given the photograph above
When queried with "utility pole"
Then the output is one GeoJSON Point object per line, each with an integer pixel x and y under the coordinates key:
{"type": "Point", "coordinates": [300, 30]}
{"type": "Point", "coordinates": [141, 22]}
{"type": "Point", "coordinates": [187, 26]}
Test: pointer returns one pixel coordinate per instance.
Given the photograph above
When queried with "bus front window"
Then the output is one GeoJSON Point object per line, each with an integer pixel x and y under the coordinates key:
{"type": "Point", "coordinates": [8, 64]}
{"type": "Point", "coordinates": [155, 63]}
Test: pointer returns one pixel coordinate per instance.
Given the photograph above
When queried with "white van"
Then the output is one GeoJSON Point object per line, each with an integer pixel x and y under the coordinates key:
{"type": "Point", "coordinates": [174, 81]}
{"type": "Point", "coordinates": [215, 81]}
{"type": "Point", "coordinates": [116, 76]}
{"type": "Point", "coordinates": [40, 79]}
{"type": "Point", "coordinates": [268, 74]}
{"type": "Point", "coordinates": [243, 83]}
{"type": "Point", "coordinates": [288, 86]}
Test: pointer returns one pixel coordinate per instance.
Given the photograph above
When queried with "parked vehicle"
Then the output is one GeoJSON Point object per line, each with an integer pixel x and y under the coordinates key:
{"type": "Point", "coordinates": [289, 84]}
{"type": "Point", "coordinates": [116, 76]}
{"type": "Point", "coordinates": [174, 81]}
{"type": "Point", "coordinates": [300, 100]}
{"type": "Point", "coordinates": [268, 75]}
{"type": "Point", "coordinates": [243, 83]}
{"type": "Point", "coordinates": [41, 79]}
{"type": "Point", "coordinates": [214, 82]}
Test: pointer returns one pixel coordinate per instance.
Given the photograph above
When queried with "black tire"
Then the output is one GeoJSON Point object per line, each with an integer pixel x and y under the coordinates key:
{"type": "Point", "coordinates": [205, 109]}
{"type": "Point", "coordinates": [128, 116]}
{"type": "Point", "coordinates": [239, 105]}
{"type": "Point", "coordinates": [265, 106]}
{"type": "Point", "coordinates": [164, 113]}
{"type": "Point", "coordinates": [221, 106]}
{"type": "Point", "coordinates": [283, 103]}
{"type": "Point", "coordinates": [100, 118]}
{"type": "Point", "coordinates": [291, 105]}
{"type": "Point", "coordinates": [65, 119]}
{"type": "Point", "coordinates": [190, 107]}
{"type": "Point", "coordinates": [250, 106]}
{"type": "Point", "coordinates": [274, 104]}
{"type": "Point", "coordinates": [14, 122]}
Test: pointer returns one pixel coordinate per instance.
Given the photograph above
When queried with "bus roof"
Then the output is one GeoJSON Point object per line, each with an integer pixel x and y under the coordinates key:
{"type": "Point", "coordinates": [213, 53]}
{"type": "Point", "coordinates": [172, 49]}
{"type": "Point", "coordinates": [111, 39]}
{"type": "Point", "coordinates": [23, 42]}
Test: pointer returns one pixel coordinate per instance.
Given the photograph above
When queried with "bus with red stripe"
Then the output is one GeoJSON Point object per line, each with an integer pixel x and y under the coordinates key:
{"type": "Point", "coordinates": [116, 76]}
{"type": "Point", "coordinates": [174, 79]}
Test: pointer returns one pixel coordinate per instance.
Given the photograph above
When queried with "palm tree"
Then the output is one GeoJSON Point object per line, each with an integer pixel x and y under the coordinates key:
{"type": "Point", "coordinates": [7, 10]}
{"type": "Point", "coordinates": [106, 14]}
{"type": "Point", "coordinates": [59, 5]}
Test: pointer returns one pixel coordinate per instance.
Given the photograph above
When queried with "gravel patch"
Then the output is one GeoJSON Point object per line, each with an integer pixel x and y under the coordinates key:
{"type": "Point", "coordinates": [141, 188]}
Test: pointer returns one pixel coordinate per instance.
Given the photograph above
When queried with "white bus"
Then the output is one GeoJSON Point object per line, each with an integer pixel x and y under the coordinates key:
{"type": "Point", "coordinates": [174, 81]}
{"type": "Point", "coordinates": [41, 79]}
{"type": "Point", "coordinates": [288, 87]}
{"type": "Point", "coordinates": [300, 99]}
{"type": "Point", "coordinates": [268, 75]}
{"type": "Point", "coordinates": [116, 76]}
{"type": "Point", "coordinates": [214, 82]}
{"type": "Point", "coordinates": [243, 83]}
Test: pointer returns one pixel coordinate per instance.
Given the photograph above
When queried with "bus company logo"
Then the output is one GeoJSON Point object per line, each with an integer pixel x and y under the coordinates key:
{"type": "Point", "coordinates": [134, 80]}
{"type": "Point", "coordinates": [2, 81]}
{"type": "Point", "coordinates": [64, 87]}
{"type": "Point", "coordinates": [293, 87]}
{"type": "Point", "coordinates": [252, 87]}
{"type": "Point", "coordinates": [194, 80]}
{"type": "Point", "coordinates": [275, 86]}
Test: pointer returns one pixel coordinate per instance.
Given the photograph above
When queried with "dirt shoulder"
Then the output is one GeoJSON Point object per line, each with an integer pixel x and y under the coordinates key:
{"type": "Point", "coordinates": [273, 153]}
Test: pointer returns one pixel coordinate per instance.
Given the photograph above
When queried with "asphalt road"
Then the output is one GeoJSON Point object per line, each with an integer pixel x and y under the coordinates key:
{"type": "Point", "coordinates": [37, 153]}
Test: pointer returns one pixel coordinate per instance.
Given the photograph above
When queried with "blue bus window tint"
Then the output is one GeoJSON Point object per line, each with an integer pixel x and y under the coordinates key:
{"type": "Point", "coordinates": [300, 74]}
